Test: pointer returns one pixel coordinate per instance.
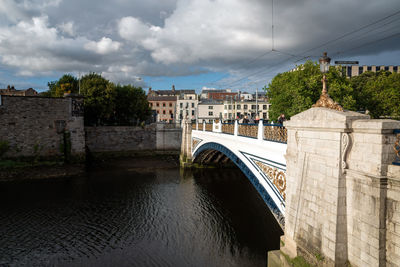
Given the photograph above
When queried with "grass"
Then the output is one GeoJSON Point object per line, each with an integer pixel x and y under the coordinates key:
{"type": "Point", "coordinates": [298, 261]}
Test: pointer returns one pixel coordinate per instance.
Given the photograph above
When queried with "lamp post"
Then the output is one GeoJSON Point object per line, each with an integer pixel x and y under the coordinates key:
{"type": "Point", "coordinates": [325, 101]}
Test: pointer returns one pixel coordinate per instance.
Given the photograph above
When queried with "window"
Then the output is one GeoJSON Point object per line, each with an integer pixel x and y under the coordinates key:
{"type": "Point", "coordinates": [151, 104]}
{"type": "Point", "coordinates": [395, 68]}
{"type": "Point", "coordinates": [158, 104]}
{"type": "Point", "coordinates": [225, 106]}
{"type": "Point", "coordinates": [163, 112]}
{"type": "Point", "coordinates": [264, 106]}
{"type": "Point", "coordinates": [170, 112]}
{"type": "Point", "coordinates": [158, 112]}
{"type": "Point", "coordinates": [238, 106]}
{"type": "Point", "coordinates": [181, 105]}
{"type": "Point", "coordinates": [190, 97]}
{"type": "Point", "coordinates": [386, 68]}
{"type": "Point", "coordinates": [210, 107]}
{"type": "Point", "coordinates": [369, 68]}
{"type": "Point", "coordinates": [264, 115]}
{"type": "Point", "coordinates": [378, 68]}
{"type": "Point", "coordinates": [230, 106]}
{"type": "Point", "coordinates": [360, 70]}
{"type": "Point", "coordinates": [253, 106]}
{"type": "Point", "coordinates": [163, 104]}
{"type": "Point", "coordinates": [210, 113]}
{"type": "Point", "coordinates": [187, 112]}
{"type": "Point", "coordinates": [245, 106]}
{"type": "Point", "coordinates": [192, 112]}
{"type": "Point", "coordinates": [192, 105]}
{"type": "Point", "coordinates": [170, 104]}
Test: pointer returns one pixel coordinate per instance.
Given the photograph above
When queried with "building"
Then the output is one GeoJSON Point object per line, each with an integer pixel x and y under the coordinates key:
{"type": "Point", "coordinates": [209, 110]}
{"type": "Point", "coordinates": [205, 92]}
{"type": "Point", "coordinates": [186, 105]}
{"type": "Point", "coordinates": [250, 108]}
{"type": "Point", "coordinates": [164, 106]}
{"type": "Point", "coordinates": [13, 92]}
{"type": "Point", "coordinates": [355, 70]}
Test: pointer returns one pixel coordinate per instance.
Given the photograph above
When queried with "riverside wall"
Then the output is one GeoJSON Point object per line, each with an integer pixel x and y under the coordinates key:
{"type": "Point", "coordinates": [35, 126]}
{"type": "Point", "coordinates": [153, 137]}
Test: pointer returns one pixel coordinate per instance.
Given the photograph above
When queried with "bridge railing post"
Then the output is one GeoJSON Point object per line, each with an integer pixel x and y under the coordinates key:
{"type": "Point", "coordinates": [204, 125]}
{"type": "Point", "coordinates": [213, 126]}
{"type": "Point", "coordinates": [236, 128]}
{"type": "Point", "coordinates": [260, 133]}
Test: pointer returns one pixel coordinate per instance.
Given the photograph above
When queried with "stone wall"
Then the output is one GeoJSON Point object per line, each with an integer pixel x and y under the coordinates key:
{"type": "Point", "coordinates": [128, 138]}
{"type": "Point", "coordinates": [34, 126]}
{"type": "Point", "coordinates": [341, 201]}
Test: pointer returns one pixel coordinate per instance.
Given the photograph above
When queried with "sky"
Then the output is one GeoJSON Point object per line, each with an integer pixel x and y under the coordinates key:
{"type": "Point", "coordinates": [192, 44]}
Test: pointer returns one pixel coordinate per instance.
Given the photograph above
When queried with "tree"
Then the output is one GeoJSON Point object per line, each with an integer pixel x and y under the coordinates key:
{"type": "Point", "coordinates": [66, 84]}
{"type": "Point", "coordinates": [131, 105]}
{"type": "Point", "coordinates": [293, 92]}
{"type": "Point", "coordinates": [378, 92]}
{"type": "Point", "coordinates": [99, 96]}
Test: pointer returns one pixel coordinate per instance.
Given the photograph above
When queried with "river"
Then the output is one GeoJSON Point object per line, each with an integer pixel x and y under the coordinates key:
{"type": "Point", "coordinates": [136, 212]}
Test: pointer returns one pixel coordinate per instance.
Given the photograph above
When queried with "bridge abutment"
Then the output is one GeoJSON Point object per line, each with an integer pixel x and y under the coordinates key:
{"type": "Point", "coordinates": [337, 194]}
{"type": "Point", "coordinates": [185, 157]}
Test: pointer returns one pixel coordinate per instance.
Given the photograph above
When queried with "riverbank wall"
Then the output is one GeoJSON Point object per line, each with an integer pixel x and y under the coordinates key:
{"type": "Point", "coordinates": [156, 137]}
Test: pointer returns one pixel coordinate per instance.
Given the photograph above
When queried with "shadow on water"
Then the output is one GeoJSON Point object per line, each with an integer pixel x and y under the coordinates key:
{"type": "Point", "coordinates": [136, 214]}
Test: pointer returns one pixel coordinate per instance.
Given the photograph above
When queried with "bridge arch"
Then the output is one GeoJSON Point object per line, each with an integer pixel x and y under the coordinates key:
{"type": "Point", "coordinates": [210, 147]}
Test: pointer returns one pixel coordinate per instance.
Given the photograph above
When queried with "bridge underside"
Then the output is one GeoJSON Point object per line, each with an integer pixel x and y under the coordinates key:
{"type": "Point", "coordinates": [214, 153]}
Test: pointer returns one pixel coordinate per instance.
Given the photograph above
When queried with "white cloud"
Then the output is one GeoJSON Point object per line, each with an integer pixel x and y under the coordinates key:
{"type": "Point", "coordinates": [67, 27]}
{"type": "Point", "coordinates": [104, 46]}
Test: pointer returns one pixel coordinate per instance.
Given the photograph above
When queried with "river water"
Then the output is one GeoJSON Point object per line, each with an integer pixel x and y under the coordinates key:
{"type": "Point", "coordinates": [134, 212]}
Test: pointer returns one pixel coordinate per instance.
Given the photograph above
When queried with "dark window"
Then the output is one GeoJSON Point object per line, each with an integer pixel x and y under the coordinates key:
{"type": "Point", "coordinates": [369, 68]}
{"type": "Point", "coordinates": [210, 113]}
{"type": "Point", "coordinates": [360, 70]}
{"type": "Point", "coordinates": [163, 112]}
{"type": "Point", "coordinates": [378, 68]}
{"type": "Point", "coordinates": [181, 105]}
{"type": "Point", "coordinates": [158, 104]}
{"type": "Point", "coordinates": [348, 71]}
{"type": "Point", "coordinates": [245, 106]}
{"type": "Point", "coordinates": [170, 104]}
{"type": "Point", "coordinates": [230, 107]}
{"type": "Point", "coordinates": [264, 106]}
{"type": "Point", "coordinates": [264, 115]}
{"type": "Point", "coordinates": [386, 68]}
{"type": "Point", "coordinates": [192, 112]}
{"type": "Point", "coordinates": [210, 107]}
{"type": "Point", "coordinates": [158, 112]}
{"type": "Point", "coordinates": [163, 104]}
{"type": "Point", "coordinates": [187, 112]}
{"type": "Point", "coordinates": [253, 106]}
{"type": "Point", "coordinates": [190, 97]}
{"type": "Point", "coordinates": [192, 105]}
{"type": "Point", "coordinates": [395, 68]}
{"type": "Point", "coordinates": [238, 106]}
{"type": "Point", "coordinates": [170, 112]}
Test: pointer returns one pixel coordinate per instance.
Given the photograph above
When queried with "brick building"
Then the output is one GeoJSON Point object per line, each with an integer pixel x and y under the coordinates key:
{"type": "Point", "coordinates": [13, 92]}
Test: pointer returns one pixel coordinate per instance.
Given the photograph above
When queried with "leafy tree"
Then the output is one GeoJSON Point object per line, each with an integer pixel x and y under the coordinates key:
{"type": "Point", "coordinates": [66, 84]}
{"type": "Point", "coordinates": [378, 92]}
{"type": "Point", "coordinates": [131, 105]}
{"type": "Point", "coordinates": [293, 92]}
{"type": "Point", "coordinates": [99, 96]}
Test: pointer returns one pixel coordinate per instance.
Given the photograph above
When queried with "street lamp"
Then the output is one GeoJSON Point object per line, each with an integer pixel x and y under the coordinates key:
{"type": "Point", "coordinates": [325, 101]}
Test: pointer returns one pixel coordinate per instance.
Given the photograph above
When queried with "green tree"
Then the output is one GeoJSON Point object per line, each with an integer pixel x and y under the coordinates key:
{"type": "Point", "coordinates": [293, 92]}
{"type": "Point", "coordinates": [378, 92]}
{"type": "Point", "coordinates": [99, 101]}
{"type": "Point", "coordinates": [66, 84]}
{"type": "Point", "coordinates": [131, 105]}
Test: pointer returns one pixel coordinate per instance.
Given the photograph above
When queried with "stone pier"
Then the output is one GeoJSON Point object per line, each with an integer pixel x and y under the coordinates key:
{"type": "Point", "coordinates": [343, 193]}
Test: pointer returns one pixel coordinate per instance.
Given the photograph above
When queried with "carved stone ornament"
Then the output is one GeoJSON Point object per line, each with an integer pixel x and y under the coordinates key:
{"type": "Point", "coordinates": [345, 147]}
{"type": "Point", "coordinates": [326, 102]}
{"type": "Point", "coordinates": [396, 146]}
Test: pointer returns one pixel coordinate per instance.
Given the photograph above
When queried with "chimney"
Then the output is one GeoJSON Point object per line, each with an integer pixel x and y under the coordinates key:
{"type": "Point", "coordinates": [173, 88]}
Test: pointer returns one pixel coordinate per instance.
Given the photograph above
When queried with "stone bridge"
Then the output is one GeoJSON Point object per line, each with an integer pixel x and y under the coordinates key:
{"type": "Point", "coordinates": [331, 178]}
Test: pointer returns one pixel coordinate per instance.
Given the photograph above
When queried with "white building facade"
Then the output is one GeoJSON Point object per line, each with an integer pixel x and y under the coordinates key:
{"type": "Point", "coordinates": [209, 110]}
{"type": "Point", "coordinates": [186, 105]}
{"type": "Point", "coordinates": [239, 109]}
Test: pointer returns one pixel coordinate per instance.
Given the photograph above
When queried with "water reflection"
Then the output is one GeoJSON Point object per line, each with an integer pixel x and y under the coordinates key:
{"type": "Point", "coordinates": [136, 217]}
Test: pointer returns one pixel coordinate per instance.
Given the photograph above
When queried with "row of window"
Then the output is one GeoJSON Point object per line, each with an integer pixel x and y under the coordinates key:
{"type": "Point", "coordinates": [187, 112]}
{"type": "Point", "coordinates": [164, 112]}
{"type": "Point", "coordinates": [245, 107]}
{"type": "Point", "coordinates": [158, 104]}
{"type": "Point", "coordinates": [369, 68]}
{"type": "Point", "coordinates": [187, 105]}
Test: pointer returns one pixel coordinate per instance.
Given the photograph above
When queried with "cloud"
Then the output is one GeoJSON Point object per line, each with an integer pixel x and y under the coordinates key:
{"type": "Point", "coordinates": [129, 39]}
{"type": "Point", "coordinates": [103, 47]}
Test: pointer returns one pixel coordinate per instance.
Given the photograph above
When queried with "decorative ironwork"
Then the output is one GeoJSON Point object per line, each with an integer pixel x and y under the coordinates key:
{"type": "Point", "coordinates": [249, 130]}
{"type": "Point", "coordinates": [325, 101]}
{"type": "Point", "coordinates": [345, 146]}
{"type": "Point", "coordinates": [249, 174]}
{"type": "Point", "coordinates": [195, 142]}
{"type": "Point", "coordinates": [228, 128]}
{"type": "Point", "coordinates": [277, 177]}
{"type": "Point", "coordinates": [277, 133]}
{"type": "Point", "coordinates": [396, 147]}
{"type": "Point", "coordinates": [209, 127]}
{"type": "Point", "coordinates": [77, 107]}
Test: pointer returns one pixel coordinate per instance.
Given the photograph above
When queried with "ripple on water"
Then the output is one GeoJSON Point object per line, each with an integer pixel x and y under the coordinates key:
{"type": "Point", "coordinates": [125, 218]}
